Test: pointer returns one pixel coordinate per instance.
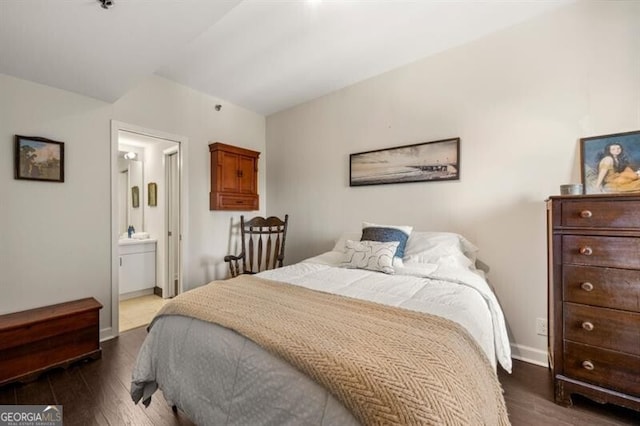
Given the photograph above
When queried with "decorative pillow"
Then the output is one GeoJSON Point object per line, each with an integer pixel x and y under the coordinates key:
{"type": "Point", "coordinates": [371, 255]}
{"type": "Point", "coordinates": [387, 233]}
{"type": "Point", "coordinates": [355, 236]}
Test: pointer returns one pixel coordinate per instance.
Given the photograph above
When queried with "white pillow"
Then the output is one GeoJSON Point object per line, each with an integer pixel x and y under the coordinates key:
{"type": "Point", "coordinates": [371, 255]}
{"type": "Point", "coordinates": [428, 247]}
{"type": "Point", "coordinates": [340, 243]}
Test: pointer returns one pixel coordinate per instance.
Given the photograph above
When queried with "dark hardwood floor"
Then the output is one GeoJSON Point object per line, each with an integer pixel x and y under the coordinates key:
{"type": "Point", "coordinates": [528, 392]}
{"type": "Point", "coordinates": [97, 393]}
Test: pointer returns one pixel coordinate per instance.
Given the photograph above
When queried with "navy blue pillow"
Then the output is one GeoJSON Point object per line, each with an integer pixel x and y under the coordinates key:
{"type": "Point", "coordinates": [385, 235]}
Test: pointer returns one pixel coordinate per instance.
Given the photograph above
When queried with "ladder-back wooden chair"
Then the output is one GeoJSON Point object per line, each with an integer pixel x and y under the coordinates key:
{"type": "Point", "coordinates": [262, 245]}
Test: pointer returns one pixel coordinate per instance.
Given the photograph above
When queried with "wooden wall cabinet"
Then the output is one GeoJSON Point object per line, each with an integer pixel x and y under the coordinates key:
{"type": "Point", "coordinates": [234, 178]}
{"type": "Point", "coordinates": [594, 289]}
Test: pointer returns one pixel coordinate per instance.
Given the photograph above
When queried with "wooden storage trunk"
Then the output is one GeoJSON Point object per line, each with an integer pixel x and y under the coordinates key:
{"type": "Point", "coordinates": [36, 340]}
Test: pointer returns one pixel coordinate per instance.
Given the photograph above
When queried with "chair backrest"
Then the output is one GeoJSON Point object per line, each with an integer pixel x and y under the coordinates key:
{"type": "Point", "coordinates": [262, 243]}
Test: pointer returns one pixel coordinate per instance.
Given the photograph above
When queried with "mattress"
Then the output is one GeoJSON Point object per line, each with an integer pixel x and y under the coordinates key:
{"type": "Point", "coordinates": [449, 289]}
{"type": "Point", "coordinates": [219, 377]}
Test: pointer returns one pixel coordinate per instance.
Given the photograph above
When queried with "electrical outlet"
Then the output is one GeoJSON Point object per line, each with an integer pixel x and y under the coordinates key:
{"type": "Point", "coordinates": [541, 327]}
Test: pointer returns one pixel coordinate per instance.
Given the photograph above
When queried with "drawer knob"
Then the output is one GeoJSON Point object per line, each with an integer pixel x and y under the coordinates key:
{"type": "Point", "coordinates": [588, 365]}
{"type": "Point", "coordinates": [586, 214]}
{"type": "Point", "coordinates": [587, 251]}
{"type": "Point", "coordinates": [586, 286]}
{"type": "Point", "coordinates": [587, 325]}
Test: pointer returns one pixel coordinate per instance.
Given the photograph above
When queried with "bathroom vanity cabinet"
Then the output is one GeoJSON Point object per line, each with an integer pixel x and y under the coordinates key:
{"type": "Point", "coordinates": [137, 265]}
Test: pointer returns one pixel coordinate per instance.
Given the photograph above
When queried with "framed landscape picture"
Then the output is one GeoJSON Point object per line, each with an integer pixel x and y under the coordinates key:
{"type": "Point", "coordinates": [135, 197]}
{"type": "Point", "coordinates": [611, 163]}
{"type": "Point", "coordinates": [422, 162]}
{"type": "Point", "coordinates": [152, 191]}
{"type": "Point", "coordinates": [39, 159]}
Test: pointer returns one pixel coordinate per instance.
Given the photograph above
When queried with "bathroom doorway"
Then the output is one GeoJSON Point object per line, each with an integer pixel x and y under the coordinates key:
{"type": "Point", "coordinates": [147, 211]}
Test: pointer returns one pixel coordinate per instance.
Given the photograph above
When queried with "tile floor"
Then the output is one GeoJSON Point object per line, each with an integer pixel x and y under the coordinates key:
{"type": "Point", "coordinates": [139, 311]}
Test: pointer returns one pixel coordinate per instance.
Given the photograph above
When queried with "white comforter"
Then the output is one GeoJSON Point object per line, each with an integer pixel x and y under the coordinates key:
{"type": "Point", "coordinates": [218, 377]}
{"type": "Point", "coordinates": [450, 289]}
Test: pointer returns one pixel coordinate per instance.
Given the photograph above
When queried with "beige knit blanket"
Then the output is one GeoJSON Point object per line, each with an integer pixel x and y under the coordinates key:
{"type": "Point", "coordinates": [389, 366]}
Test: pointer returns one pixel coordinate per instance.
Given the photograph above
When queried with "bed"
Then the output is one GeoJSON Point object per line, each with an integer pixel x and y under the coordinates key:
{"type": "Point", "coordinates": [276, 348]}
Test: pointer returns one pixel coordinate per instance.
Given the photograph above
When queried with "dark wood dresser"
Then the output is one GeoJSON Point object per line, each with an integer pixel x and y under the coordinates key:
{"type": "Point", "coordinates": [37, 340]}
{"type": "Point", "coordinates": [594, 297]}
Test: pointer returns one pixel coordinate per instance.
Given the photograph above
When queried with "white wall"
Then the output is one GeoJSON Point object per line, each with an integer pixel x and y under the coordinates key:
{"type": "Point", "coordinates": [55, 238]}
{"type": "Point", "coordinates": [162, 105]}
{"type": "Point", "coordinates": [519, 100]}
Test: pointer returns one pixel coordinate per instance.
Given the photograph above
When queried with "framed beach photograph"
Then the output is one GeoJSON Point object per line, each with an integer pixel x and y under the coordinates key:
{"type": "Point", "coordinates": [422, 162]}
{"type": "Point", "coordinates": [38, 159]}
{"type": "Point", "coordinates": [611, 163]}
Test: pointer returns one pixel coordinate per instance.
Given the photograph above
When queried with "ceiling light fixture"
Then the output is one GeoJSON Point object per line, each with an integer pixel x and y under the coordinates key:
{"type": "Point", "coordinates": [106, 4]}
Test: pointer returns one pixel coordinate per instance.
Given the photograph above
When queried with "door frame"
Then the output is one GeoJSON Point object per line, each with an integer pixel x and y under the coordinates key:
{"type": "Point", "coordinates": [117, 126]}
{"type": "Point", "coordinates": [167, 153]}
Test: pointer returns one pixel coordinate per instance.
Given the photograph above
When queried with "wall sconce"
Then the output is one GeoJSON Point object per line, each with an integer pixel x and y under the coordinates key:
{"type": "Point", "coordinates": [130, 155]}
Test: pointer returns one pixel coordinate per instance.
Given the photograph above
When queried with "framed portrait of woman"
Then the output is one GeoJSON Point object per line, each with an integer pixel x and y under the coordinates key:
{"type": "Point", "coordinates": [611, 163]}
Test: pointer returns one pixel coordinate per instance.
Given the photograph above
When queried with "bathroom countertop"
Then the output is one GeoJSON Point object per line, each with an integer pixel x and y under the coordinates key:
{"type": "Point", "coordinates": [130, 241]}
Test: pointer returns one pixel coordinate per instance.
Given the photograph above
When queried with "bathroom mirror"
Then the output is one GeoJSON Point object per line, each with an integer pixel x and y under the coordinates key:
{"type": "Point", "coordinates": [131, 176]}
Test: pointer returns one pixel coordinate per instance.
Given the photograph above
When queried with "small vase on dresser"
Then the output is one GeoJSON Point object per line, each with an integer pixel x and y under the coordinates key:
{"type": "Point", "coordinates": [594, 297]}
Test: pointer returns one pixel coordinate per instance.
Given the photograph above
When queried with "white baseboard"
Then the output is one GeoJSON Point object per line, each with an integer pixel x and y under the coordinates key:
{"type": "Point", "coordinates": [530, 355]}
{"type": "Point", "coordinates": [138, 293]}
{"type": "Point", "coordinates": [106, 334]}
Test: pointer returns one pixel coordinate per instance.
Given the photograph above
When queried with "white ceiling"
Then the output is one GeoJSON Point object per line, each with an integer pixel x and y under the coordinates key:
{"type": "Point", "coordinates": [264, 55]}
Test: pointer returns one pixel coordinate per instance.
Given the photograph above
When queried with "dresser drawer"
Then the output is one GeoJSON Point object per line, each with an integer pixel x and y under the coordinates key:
{"type": "Point", "coordinates": [601, 214]}
{"type": "Point", "coordinates": [607, 328]}
{"type": "Point", "coordinates": [238, 202]}
{"type": "Point", "coordinates": [606, 287]}
{"type": "Point", "coordinates": [602, 367]}
{"type": "Point", "coordinates": [615, 252]}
